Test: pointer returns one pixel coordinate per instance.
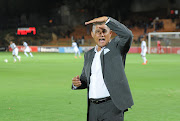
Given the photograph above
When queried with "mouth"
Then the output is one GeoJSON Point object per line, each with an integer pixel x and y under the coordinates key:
{"type": "Point", "coordinates": [102, 40]}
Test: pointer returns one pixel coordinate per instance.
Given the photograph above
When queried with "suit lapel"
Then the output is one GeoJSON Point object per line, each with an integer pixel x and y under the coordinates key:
{"type": "Point", "coordinates": [90, 59]}
{"type": "Point", "coordinates": [102, 62]}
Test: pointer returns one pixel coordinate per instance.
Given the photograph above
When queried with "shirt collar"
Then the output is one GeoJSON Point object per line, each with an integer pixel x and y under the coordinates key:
{"type": "Point", "coordinates": [95, 49]}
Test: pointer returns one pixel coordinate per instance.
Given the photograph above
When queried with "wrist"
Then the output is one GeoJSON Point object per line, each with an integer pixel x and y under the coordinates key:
{"type": "Point", "coordinates": [108, 19]}
{"type": "Point", "coordinates": [105, 18]}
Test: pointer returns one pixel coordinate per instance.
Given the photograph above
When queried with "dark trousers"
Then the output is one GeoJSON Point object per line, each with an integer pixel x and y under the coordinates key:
{"type": "Point", "coordinates": [105, 111]}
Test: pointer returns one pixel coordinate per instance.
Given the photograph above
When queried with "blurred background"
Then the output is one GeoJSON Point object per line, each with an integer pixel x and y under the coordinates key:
{"type": "Point", "coordinates": [58, 22]}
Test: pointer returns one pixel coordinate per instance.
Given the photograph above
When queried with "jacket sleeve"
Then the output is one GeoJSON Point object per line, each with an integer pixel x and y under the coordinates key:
{"type": "Point", "coordinates": [124, 38]}
{"type": "Point", "coordinates": [83, 78]}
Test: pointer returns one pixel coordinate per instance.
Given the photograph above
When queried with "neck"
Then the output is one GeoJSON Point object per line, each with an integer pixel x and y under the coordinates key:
{"type": "Point", "coordinates": [99, 48]}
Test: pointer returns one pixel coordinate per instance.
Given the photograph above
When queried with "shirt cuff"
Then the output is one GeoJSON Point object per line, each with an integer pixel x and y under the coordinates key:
{"type": "Point", "coordinates": [107, 21]}
{"type": "Point", "coordinates": [74, 87]}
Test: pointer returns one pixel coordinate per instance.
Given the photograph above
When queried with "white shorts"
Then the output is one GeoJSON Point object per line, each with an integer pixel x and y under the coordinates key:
{"type": "Point", "coordinates": [143, 53]}
{"type": "Point", "coordinates": [15, 52]}
{"type": "Point", "coordinates": [76, 50]}
{"type": "Point", "coordinates": [27, 49]}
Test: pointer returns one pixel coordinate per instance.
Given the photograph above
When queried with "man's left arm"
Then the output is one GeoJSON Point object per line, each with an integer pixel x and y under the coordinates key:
{"type": "Point", "coordinates": [80, 83]}
{"type": "Point", "coordinates": [124, 38]}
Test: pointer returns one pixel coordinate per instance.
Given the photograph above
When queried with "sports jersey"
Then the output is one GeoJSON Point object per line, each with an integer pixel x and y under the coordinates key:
{"type": "Point", "coordinates": [143, 46]}
{"type": "Point", "coordinates": [13, 46]}
{"type": "Point", "coordinates": [25, 44]}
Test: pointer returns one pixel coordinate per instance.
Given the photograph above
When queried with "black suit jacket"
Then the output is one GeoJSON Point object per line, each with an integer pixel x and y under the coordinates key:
{"type": "Point", "coordinates": [113, 62]}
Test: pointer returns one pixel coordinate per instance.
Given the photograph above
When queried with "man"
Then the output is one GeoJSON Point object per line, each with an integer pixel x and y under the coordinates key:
{"type": "Point", "coordinates": [103, 73]}
{"type": "Point", "coordinates": [159, 46]}
{"type": "Point", "coordinates": [14, 51]}
{"type": "Point", "coordinates": [27, 49]}
{"type": "Point", "coordinates": [143, 51]}
{"type": "Point", "coordinates": [76, 49]}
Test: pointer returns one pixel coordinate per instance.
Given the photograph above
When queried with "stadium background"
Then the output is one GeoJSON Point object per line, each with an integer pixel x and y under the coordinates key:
{"type": "Point", "coordinates": [38, 89]}
{"type": "Point", "coordinates": [57, 22]}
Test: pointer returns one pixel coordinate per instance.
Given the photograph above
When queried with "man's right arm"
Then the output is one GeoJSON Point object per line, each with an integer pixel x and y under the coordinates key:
{"type": "Point", "coordinates": [123, 33]}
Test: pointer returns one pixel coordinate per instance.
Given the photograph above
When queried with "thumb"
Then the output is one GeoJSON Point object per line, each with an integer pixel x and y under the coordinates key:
{"type": "Point", "coordinates": [77, 77]}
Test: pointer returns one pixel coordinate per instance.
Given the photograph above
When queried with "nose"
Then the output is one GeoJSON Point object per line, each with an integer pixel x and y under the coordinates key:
{"type": "Point", "coordinates": [102, 34]}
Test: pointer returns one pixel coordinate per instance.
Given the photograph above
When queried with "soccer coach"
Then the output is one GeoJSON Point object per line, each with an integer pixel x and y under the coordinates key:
{"type": "Point", "coordinates": [103, 74]}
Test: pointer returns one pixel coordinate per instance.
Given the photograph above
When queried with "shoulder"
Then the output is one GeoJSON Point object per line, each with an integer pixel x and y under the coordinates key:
{"type": "Point", "coordinates": [115, 40]}
{"type": "Point", "coordinates": [90, 51]}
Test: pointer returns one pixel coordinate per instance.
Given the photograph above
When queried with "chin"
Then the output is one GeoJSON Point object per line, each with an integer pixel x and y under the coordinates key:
{"type": "Point", "coordinates": [101, 45]}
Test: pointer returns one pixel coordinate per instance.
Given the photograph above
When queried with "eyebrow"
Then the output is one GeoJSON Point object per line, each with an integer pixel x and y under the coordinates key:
{"type": "Point", "coordinates": [97, 30]}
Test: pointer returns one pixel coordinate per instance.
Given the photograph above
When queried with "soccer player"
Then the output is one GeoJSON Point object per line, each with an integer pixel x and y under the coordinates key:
{"type": "Point", "coordinates": [143, 51]}
{"type": "Point", "coordinates": [14, 51]}
{"type": "Point", "coordinates": [27, 49]}
{"type": "Point", "coordinates": [159, 46]}
{"type": "Point", "coordinates": [76, 49]}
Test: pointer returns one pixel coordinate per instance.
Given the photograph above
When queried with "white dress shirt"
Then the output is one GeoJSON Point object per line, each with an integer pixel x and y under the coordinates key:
{"type": "Point", "coordinates": [97, 87]}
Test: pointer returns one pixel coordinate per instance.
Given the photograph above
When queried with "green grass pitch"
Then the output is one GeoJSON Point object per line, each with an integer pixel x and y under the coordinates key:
{"type": "Point", "coordinates": [39, 88]}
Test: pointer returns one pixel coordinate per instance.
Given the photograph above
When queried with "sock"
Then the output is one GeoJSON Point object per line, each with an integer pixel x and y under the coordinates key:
{"type": "Point", "coordinates": [26, 54]}
{"type": "Point", "coordinates": [31, 54]}
{"type": "Point", "coordinates": [144, 58]}
{"type": "Point", "coordinates": [14, 58]}
{"type": "Point", "coordinates": [75, 53]}
{"type": "Point", "coordinates": [19, 58]}
{"type": "Point", "coordinates": [79, 53]}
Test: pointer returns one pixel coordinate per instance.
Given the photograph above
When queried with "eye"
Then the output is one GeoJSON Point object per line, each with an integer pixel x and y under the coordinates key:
{"type": "Point", "coordinates": [97, 32]}
{"type": "Point", "coordinates": [104, 31]}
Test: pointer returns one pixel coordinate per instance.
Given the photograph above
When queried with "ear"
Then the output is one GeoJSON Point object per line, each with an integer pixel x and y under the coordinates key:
{"type": "Point", "coordinates": [92, 34]}
{"type": "Point", "coordinates": [110, 32]}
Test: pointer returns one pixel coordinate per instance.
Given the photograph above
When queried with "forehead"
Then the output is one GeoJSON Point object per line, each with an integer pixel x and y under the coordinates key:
{"type": "Point", "coordinates": [102, 26]}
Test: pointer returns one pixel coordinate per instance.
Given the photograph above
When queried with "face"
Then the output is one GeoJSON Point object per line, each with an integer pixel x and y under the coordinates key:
{"type": "Point", "coordinates": [101, 35]}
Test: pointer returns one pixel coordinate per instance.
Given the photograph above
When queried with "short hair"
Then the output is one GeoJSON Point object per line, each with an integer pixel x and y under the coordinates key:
{"type": "Point", "coordinates": [97, 23]}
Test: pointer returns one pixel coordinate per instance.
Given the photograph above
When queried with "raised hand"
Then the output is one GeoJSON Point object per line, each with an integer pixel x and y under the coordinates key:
{"type": "Point", "coordinates": [95, 20]}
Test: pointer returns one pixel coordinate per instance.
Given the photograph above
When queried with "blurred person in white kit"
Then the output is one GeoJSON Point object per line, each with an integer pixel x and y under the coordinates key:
{"type": "Point", "coordinates": [143, 51]}
{"type": "Point", "coordinates": [76, 49]}
{"type": "Point", "coordinates": [15, 51]}
{"type": "Point", "coordinates": [27, 49]}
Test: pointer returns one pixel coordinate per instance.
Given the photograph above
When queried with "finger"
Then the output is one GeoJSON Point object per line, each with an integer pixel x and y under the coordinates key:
{"type": "Point", "coordinates": [77, 84]}
{"type": "Point", "coordinates": [75, 81]}
{"type": "Point", "coordinates": [77, 77]}
{"type": "Point", "coordinates": [100, 19]}
{"type": "Point", "coordinates": [74, 78]}
{"type": "Point", "coordinates": [89, 22]}
{"type": "Point", "coordinates": [92, 21]}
